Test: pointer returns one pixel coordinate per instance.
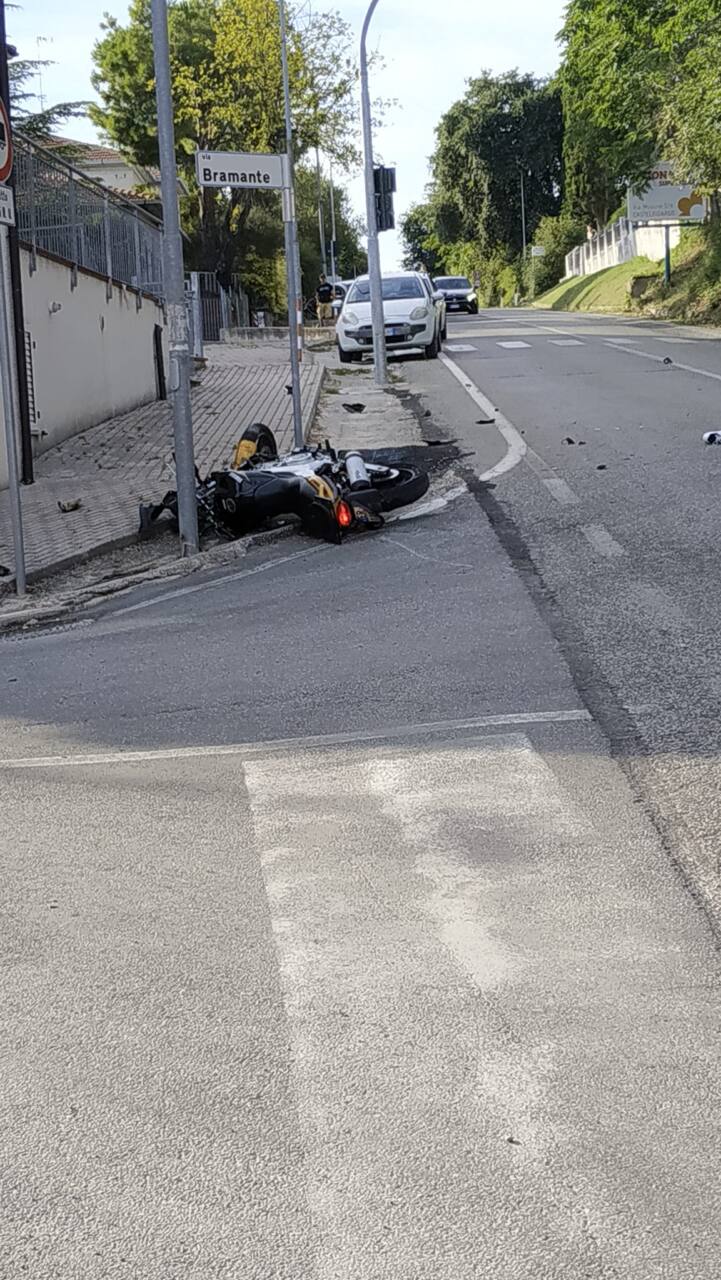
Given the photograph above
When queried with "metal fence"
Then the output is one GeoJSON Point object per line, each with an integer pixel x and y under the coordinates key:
{"type": "Point", "coordinates": [66, 214]}
{"type": "Point", "coordinates": [613, 245]}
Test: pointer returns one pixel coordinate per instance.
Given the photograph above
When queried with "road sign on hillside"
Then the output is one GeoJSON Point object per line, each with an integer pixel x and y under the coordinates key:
{"type": "Point", "coordinates": [666, 200]}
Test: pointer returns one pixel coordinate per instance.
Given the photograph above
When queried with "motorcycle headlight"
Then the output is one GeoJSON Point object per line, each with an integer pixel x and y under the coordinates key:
{"type": "Point", "coordinates": [419, 313]}
{"type": "Point", "coordinates": [350, 318]}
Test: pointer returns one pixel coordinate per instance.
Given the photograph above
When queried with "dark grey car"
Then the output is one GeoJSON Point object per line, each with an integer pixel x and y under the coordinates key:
{"type": "Point", "coordinates": [458, 293]}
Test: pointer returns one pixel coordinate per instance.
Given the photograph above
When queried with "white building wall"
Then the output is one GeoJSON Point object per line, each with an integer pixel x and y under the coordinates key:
{"type": "Point", "coordinates": [93, 357]}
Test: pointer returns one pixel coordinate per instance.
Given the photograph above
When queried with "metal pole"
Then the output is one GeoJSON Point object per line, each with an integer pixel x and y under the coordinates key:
{"type": "Point", "coordinates": [523, 214]}
{"type": "Point", "coordinates": [289, 152]}
{"type": "Point", "coordinates": [16, 285]}
{"type": "Point", "coordinates": [290, 231]}
{"type": "Point", "coordinates": [667, 254]}
{"type": "Point", "coordinates": [174, 288]}
{"type": "Point", "coordinates": [16, 516]}
{"type": "Point", "coordinates": [374, 261]}
{"type": "Point", "coordinates": [321, 221]}
{"type": "Point", "coordinates": [332, 225]}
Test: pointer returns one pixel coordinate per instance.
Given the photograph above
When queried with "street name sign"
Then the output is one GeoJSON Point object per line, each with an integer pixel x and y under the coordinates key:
{"type": "Point", "coordinates": [240, 169]}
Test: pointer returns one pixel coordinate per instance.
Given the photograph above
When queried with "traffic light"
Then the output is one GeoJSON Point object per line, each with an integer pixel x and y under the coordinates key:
{"type": "Point", "coordinates": [384, 182]}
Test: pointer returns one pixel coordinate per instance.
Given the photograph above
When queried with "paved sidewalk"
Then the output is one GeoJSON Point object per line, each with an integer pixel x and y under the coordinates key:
{"type": "Point", "coordinates": [114, 466]}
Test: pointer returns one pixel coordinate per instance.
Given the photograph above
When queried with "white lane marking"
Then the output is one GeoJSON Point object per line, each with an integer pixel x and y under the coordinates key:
{"type": "Point", "coordinates": [513, 346]}
{"type": "Point", "coordinates": [267, 746]}
{"type": "Point", "coordinates": [557, 487]}
{"type": "Point", "coordinates": [217, 582]}
{"type": "Point", "coordinates": [566, 342]}
{"type": "Point", "coordinates": [601, 541]}
{"type": "Point", "coordinates": [679, 341]}
{"type": "Point", "coordinates": [687, 368]}
{"type": "Point", "coordinates": [516, 444]}
{"type": "Point", "coordinates": [459, 346]}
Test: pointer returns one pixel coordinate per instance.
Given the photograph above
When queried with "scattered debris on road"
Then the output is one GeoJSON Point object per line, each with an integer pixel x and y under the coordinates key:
{"type": "Point", "coordinates": [73, 505]}
{"type": "Point", "coordinates": [354, 408]}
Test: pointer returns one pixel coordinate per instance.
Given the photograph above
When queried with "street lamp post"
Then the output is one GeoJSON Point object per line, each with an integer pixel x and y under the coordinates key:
{"type": "Point", "coordinates": [374, 261]}
{"type": "Point", "coordinates": [523, 214]}
{"type": "Point", "coordinates": [174, 287]}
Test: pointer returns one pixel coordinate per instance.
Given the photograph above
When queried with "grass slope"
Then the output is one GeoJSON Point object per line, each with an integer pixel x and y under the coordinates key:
{"type": "Point", "coordinates": [694, 294]}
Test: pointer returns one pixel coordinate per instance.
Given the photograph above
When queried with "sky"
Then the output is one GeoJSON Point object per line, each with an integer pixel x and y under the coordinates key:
{"type": "Point", "coordinates": [429, 49]}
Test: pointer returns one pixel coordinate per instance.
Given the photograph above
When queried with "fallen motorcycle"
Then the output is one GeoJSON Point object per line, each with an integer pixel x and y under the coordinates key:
{"type": "Point", "coordinates": [329, 493]}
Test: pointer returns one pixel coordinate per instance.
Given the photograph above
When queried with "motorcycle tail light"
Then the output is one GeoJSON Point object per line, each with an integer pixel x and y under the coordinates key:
{"type": "Point", "coordinates": [344, 515]}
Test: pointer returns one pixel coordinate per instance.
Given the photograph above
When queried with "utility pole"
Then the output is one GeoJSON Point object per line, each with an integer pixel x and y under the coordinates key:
{"type": "Point", "coordinates": [374, 262]}
{"type": "Point", "coordinates": [174, 282]}
{"type": "Point", "coordinates": [292, 265]}
{"type": "Point", "coordinates": [332, 225]}
{"type": "Point", "coordinates": [16, 287]}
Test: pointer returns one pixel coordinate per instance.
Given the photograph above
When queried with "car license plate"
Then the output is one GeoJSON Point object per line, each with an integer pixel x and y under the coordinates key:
{"type": "Point", "coordinates": [394, 331]}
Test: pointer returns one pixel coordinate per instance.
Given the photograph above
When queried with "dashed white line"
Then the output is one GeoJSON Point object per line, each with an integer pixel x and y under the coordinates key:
{"type": "Point", "coordinates": [513, 346]}
{"type": "Point", "coordinates": [459, 347]}
{"type": "Point", "coordinates": [602, 542]}
{"type": "Point", "coordinates": [566, 342]}
{"type": "Point", "coordinates": [558, 489]}
{"type": "Point", "coordinates": [687, 368]}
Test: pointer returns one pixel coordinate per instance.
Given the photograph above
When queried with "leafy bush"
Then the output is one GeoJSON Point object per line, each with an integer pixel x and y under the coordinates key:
{"type": "Point", "coordinates": [558, 236]}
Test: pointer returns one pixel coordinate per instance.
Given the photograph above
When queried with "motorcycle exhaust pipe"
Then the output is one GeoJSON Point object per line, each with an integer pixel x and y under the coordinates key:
{"type": "Point", "coordinates": [358, 477]}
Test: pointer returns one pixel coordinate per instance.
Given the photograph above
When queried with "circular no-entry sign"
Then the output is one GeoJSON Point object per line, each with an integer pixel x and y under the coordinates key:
{"type": "Point", "coordinates": [6, 144]}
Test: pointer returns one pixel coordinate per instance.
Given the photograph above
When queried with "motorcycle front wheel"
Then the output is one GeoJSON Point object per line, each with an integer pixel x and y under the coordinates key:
{"type": "Point", "coordinates": [403, 486]}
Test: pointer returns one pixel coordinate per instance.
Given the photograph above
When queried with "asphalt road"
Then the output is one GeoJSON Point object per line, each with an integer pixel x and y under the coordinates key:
{"type": "Point", "coordinates": [615, 512]}
{"type": "Point", "coordinates": [341, 940]}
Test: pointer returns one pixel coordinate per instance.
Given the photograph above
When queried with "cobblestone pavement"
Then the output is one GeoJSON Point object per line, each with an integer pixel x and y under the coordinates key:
{"type": "Point", "coordinates": [112, 467]}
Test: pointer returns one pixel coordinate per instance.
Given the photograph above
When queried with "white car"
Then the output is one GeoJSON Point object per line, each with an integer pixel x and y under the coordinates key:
{"type": "Point", "coordinates": [414, 314]}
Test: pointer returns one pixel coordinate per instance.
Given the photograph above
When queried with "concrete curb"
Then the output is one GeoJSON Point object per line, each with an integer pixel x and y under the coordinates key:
{"type": "Point", "coordinates": [69, 606]}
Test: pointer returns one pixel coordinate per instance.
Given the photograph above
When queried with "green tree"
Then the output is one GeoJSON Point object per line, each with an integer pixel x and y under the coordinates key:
{"type": "Point", "coordinates": [557, 236]}
{"type": "Point", "coordinates": [261, 260]}
{"type": "Point", "coordinates": [419, 238]}
{"type": "Point", "coordinates": [226, 74]}
{"type": "Point", "coordinates": [616, 80]}
{"type": "Point", "coordinates": [504, 127]}
{"type": "Point", "coordinates": [35, 123]}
